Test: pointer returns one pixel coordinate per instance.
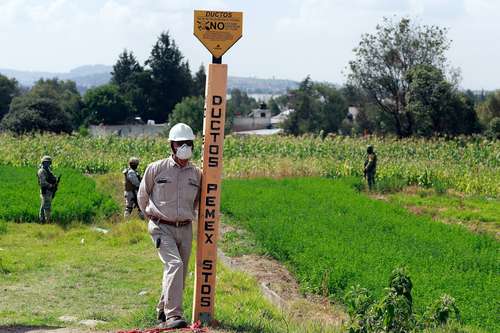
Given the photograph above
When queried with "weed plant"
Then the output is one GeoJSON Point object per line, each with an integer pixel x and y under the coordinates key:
{"type": "Point", "coordinates": [394, 311]}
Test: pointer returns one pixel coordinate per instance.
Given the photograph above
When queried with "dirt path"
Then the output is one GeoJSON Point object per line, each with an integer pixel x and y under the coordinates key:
{"type": "Point", "coordinates": [280, 287]}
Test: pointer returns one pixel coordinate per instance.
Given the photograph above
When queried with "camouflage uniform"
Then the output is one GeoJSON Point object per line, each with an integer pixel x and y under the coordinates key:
{"type": "Point", "coordinates": [370, 168]}
{"type": "Point", "coordinates": [47, 182]}
{"type": "Point", "coordinates": [132, 182]}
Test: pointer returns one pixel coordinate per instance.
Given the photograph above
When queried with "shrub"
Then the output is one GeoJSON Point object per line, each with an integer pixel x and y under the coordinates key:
{"type": "Point", "coordinates": [36, 114]}
{"type": "Point", "coordinates": [394, 311]}
{"type": "Point", "coordinates": [441, 311]}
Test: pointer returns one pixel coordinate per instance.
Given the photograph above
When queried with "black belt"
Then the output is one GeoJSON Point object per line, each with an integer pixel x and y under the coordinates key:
{"type": "Point", "coordinates": [174, 223]}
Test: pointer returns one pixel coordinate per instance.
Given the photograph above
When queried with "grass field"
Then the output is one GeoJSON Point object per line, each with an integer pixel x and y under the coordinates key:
{"type": "Point", "coordinates": [477, 213]}
{"type": "Point", "coordinates": [332, 237]}
{"type": "Point", "coordinates": [468, 165]}
{"type": "Point", "coordinates": [47, 272]}
{"type": "Point", "coordinates": [76, 199]}
{"type": "Point", "coordinates": [328, 234]}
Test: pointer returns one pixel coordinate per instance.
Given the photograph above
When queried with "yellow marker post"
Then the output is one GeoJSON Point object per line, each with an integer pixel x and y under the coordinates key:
{"type": "Point", "coordinates": [218, 31]}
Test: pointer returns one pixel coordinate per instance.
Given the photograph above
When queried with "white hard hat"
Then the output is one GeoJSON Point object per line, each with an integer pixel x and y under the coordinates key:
{"type": "Point", "coordinates": [180, 132]}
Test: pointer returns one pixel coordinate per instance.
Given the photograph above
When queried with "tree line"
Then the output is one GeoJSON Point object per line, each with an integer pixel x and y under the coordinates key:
{"type": "Point", "coordinates": [399, 82]}
{"type": "Point", "coordinates": [148, 91]}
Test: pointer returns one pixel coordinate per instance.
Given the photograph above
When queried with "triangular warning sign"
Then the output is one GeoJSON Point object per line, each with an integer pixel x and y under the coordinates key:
{"type": "Point", "coordinates": [217, 30]}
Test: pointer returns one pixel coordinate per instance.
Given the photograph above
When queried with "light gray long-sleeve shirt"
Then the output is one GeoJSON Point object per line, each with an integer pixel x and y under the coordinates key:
{"type": "Point", "coordinates": [170, 192]}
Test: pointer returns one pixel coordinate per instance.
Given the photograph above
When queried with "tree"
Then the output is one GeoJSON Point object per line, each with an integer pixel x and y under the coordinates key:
{"type": "Point", "coordinates": [277, 104]}
{"type": "Point", "coordinates": [383, 60]}
{"type": "Point", "coordinates": [30, 113]}
{"type": "Point", "coordinates": [318, 107]}
{"type": "Point", "coordinates": [436, 106]}
{"type": "Point", "coordinates": [9, 89]}
{"type": "Point", "coordinates": [105, 105]}
{"type": "Point", "coordinates": [239, 103]}
{"type": "Point", "coordinates": [171, 77]}
{"type": "Point", "coordinates": [489, 109]}
{"type": "Point", "coordinates": [493, 130]}
{"type": "Point", "coordinates": [305, 103]}
{"type": "Point", "coordinates": [333, 108]}
{"type": "Point", "coordinates": [125, 67]}
{"type": "Point", "coordinates": [63, 93]}
{"type": "Point", "coordinates": [189, 111]}
{"type": "Point", "coordinates": [199, 82]}
{"type": "Point", "coordinates": [134, 83]}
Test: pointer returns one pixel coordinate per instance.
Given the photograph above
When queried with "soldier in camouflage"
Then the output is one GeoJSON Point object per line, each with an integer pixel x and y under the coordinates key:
{"type": "Point", "coordinates": [370, 167]}
{"type": "Point", "coordinates": [132, 182]}
{"type": "Point", "coordinates": [48, 186]}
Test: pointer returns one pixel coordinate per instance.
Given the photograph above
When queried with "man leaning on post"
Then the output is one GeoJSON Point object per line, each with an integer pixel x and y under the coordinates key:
{"type": "Point", "coordinates": [169, 196]}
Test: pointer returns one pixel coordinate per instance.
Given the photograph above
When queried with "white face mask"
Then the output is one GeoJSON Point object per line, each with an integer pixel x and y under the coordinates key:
{"type": "Point", "coordinates": [184, 152]}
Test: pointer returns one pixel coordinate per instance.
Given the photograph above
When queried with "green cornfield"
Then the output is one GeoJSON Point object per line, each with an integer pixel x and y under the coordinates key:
{"type": "Point", "coordinates": [470, 165]}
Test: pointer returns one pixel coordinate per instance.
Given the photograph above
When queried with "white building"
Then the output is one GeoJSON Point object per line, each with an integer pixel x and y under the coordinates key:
{"type": "Point", "coordinates": [132, 130]}
{"type": "Point", "coordinates": [279, 119]}
{"type": "Point", "coordinates": [257, 119]}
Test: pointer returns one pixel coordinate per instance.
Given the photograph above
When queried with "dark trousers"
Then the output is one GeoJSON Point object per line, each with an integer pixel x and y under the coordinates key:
{"type": "Point", "coordinates": [370, 177]}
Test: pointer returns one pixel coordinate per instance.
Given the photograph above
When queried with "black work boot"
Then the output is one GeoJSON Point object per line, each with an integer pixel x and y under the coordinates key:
{"type": "Point", "coordinates": [174, 322]}
{"type": "Point", "coordinates": [161, 317]}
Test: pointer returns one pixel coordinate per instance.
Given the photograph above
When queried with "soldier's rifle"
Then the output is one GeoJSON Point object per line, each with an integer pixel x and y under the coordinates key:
{"type": "Point", "coordinates": [56, 186]}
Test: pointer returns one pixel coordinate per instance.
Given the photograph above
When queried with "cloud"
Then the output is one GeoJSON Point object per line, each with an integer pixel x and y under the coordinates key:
{"type": "Point", "coordinates": [92, 31]}
{"type": "Point", "coordinates": [304, 37]}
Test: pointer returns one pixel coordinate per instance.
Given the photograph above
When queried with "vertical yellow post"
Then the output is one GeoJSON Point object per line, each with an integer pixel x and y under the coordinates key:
{"type": "Point", "coordinates": [209, 216]}
{"type": "Point", "coordinates": [218, 31]}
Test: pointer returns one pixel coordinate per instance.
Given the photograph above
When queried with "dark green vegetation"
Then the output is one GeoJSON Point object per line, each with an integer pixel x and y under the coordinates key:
{"type": "Point", "coordinates": [319, 108]}
{"type": "Point", "coordinates": [190, 110]}
{"type": "Point", "coordinates": [394, 311]}
{"type": "Point", "coordinates": [9, 88]}
{"type": "Point", "coordinates": [49, 106]}
{"type": "Point", "coordinates": [333, 237]}
{"type": "Point", "coordinates": [400, 71]}
{"type": "Point", "coordinates": [76, 199]}
{"type": "Point", "coordinates": [150, 92]}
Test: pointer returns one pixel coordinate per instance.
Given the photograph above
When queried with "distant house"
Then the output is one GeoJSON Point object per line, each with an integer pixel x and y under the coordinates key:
{"type": "Point", "coordinates": [280, 118]}
{"type": "Point", "coordinates": [128, 130]}
{"type": "Point", "coordinates": [257, 119]}
{"type": "Point", "coordinates": [352, 112]}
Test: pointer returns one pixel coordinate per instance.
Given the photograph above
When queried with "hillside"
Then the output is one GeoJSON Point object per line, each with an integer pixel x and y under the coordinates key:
{"type": "Point", "coordinates": [94, 75]}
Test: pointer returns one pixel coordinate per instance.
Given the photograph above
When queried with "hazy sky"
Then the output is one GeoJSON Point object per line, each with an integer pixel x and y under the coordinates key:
{"type": "Point", "coordinates": [282, 39]}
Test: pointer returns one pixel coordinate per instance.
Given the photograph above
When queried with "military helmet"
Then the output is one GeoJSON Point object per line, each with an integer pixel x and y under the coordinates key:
{"type": "Point", "coordinates": [46, 158]}
{"type": "Point", "coordinates": [369, 149]}
{"type": "Point", "coordinates": [133, 161]}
